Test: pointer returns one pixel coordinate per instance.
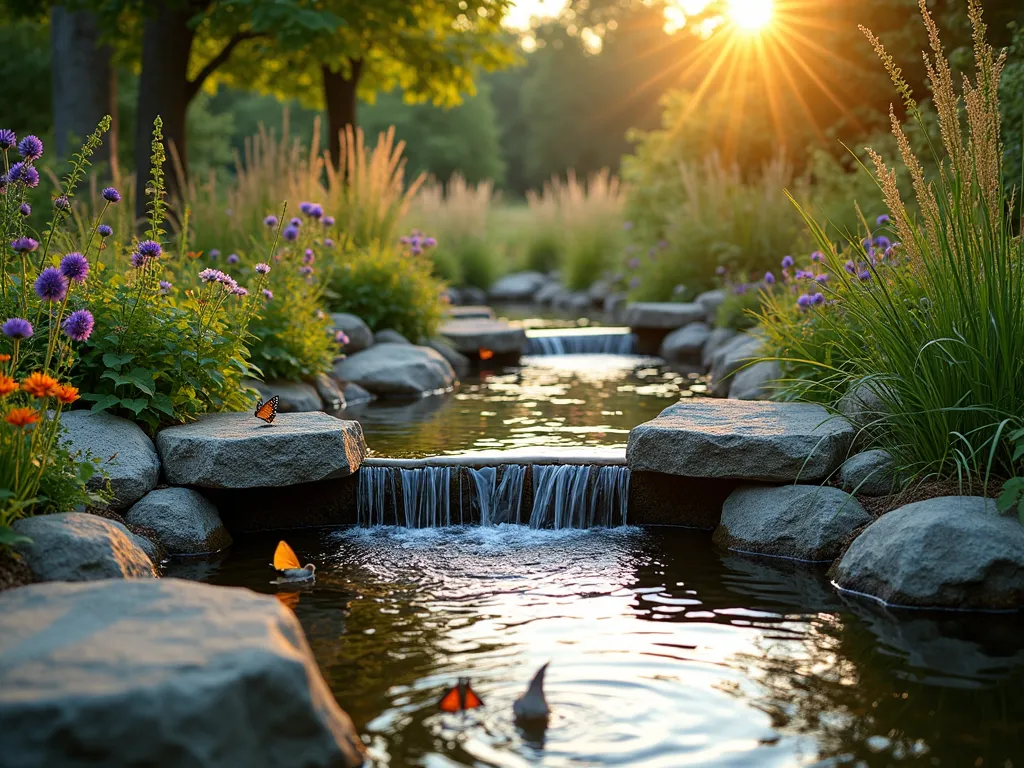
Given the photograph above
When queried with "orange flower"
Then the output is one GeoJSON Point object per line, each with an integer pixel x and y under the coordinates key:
{"type": "Point", "coordinates": [4, 358]}
{"type": "Point", "coordinates": [40, 385]}
{"type": "Point", "coordinates": [22, 417]}
{"type": "Point", "coordinates": [7, 385]}
{"type": "Point", "coordinates": [67, 394]}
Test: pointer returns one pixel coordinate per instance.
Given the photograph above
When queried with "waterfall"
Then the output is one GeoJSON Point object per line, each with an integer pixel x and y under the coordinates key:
{"type": "Point", "coordinates": [565, 496]}
{"type": "Point", "coordinates": [581, 344]}
{"type": "Point", "coordinates": [573, 496]}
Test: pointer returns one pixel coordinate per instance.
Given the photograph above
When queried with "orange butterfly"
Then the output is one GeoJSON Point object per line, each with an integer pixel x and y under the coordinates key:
{"type": "Point", "coordinates": [486, 354]}
{"type": "Point", "coordinates": [460, 697]}
{"type": "Point", "coordinates": [268, 410]}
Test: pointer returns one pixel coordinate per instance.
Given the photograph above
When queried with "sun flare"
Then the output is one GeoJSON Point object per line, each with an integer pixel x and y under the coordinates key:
{"type": "Point", "coordinates": [751, 15]}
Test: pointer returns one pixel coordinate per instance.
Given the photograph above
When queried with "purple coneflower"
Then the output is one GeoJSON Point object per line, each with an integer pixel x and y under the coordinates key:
{"type": "Point", "coordinates": [328, 243]}
{"type": "Point", "coordinates": [316, 211]}
{"type": "Point", "coordinates": [769, 278]}
{"type": "Point", "coordinates": [306, 208]}
{"type": "Point", "coordinates": [24, 245]}
{"type": "Point", "coordinates": [78, 325]}
{"type": "Point", "coordinates": [233, 258]}
{"type": "Point", "coordinates": [214, 253]}
{"type": "Point", "coordinates": [8, 138]}
{"type": "Point", "coordinates": [883, 219]}
{"type": "Point", "coordinates": [270, 221]}
{"type": "Point", "coordinates": [26, 174]}
{"type": "Point", "coordinates": [17, 328]}
{"type": "Point", "coordinates": [291, 233]}
{"type": "Point", "coordinates": [328, 221]}
{"type": "Point", "coordinates": [209, 275]}
{"type": "Point", "coordinates": [150, 249]}
{"type": "Point", "coordinates": [25, 209]}
{"type": "Point", "coordinates": [787, 262]}
{"type": "Point", "coordinates": [165, 287]}
{"type": "Point", "coordinates": [818, 298]}
{"type": "Point", "coordinates": [267, 294]}
{"type": "Point", "coordinates": [138, 260]}
{"type": "Point", "coordinates": [51, 285]}
{"type": "Point", "coordinates": [804, 301]}
{"type": "Point", "coordinates": [75, 267]}
{"type": "Point", "coordinates": [296, 222]}
{"type": "Point", "coordinates": [239, 291]}
{"type": "Point", "coordinates": [341, 338]}
{"type": "Point", "coordinates": [30, 148]}
{"type": "Point", "coordinates": [111, 195]}
{"type": "Point", "coordinates": [262, 268]}
{"type": "Point", "coordinates": [104, 230]}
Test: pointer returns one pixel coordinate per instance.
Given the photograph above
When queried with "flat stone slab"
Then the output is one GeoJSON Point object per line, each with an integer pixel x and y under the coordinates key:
{"type": "Point", "coordinates": [747, 440]}
{"type": "Point", "coordinates": [953, 552]}
{"type": "Point", "coordinates": [236, 450]}
{"type": "Point", "coordinates": [665, 315]}
{"type": "Point", "coordinates": [397, 370]}
{"type": "Point", "coordinates": [520, 286]}
{"type": "Point", "coordinates": [470, 336]}
{"type": "Point", "coordinates": [471, 312]}
{"type": "Point", "coordinates": [162, 673]}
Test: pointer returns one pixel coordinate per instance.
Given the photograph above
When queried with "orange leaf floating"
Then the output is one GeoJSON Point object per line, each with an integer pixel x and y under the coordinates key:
{"type": "Point", "coordinates": [285, 557]}
{"type": "Point", "coordinates": [22, 417]}
{"type": "Point", "coordinates": [460, 697]}
{"type": "Point", "coordinates": [486, 354]}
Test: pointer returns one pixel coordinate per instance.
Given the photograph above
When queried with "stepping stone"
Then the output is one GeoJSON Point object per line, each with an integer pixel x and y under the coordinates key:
{"type": "Point", "coordinates": [665, 315]}
{"type": "Point", "coordinates": [235, 450]}
{"type": "Point", "coordinates": [397, 370]}
{"type": "Point", "coordinates": [948, 552]}
{"type": "Point", "coordinates": [475, 312]}
{"type": "Point", "coordinates": [748, 440]}
{"type": "Point", "coordinates": [163, 673]}
{"type": "Point", "coordinates": [185, 523]}
{"type": "Point", "coordinates": [470, 336]}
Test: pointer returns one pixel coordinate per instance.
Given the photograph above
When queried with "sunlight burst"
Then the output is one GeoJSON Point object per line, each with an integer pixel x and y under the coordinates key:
{"type": "Point", "coordinates": [752, 15]}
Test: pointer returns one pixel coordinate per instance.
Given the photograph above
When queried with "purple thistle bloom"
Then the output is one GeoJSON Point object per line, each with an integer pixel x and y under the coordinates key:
{"type": "Point", "coordinates": [26, 174]}
{"type": "Point", "coordinates": [769, 278]}
{"type": "Point", "coordinates": [866, 243]}
{"type": "Point", "coordinates": [25, 209]}
{"type": "Point", "coordinates": [328, 243]}
{"type": "Point", "coordinates": [291, 233]}
{"type": "Point", "coordinates": [720, 271]}
{"type": "Point", "coordinates": [804, 301]}
{"type": "Point", "coordinates": [209, 275]}
{"type": "Point", "coordinates": [78, 325]}
{"type": "Point", "coordinates": [239, 291]}
{"type": "Point", "coordinates": [328, 221]}
{"type": "Point", "coordinates": [17, 328]}
{"type": "Point", "coordinates": [305, 270]}
{"type": "Point", "coordinates": [262, 268]}
{"type": "Point", "coordinates": [30, 148]}
{"type": "Point", "coordinates": [817, 256]}
{"type": "Point", "coordinates": [150, 249]}
{"type": "Point", "coordinates": [75, 267]}
{"type": "Point", "coordinates": [404, 240]}
{"type": "Point", "coordinates": [308, 257]}
{"type": "Point", "coordinates": [138, 260]}
{"type": "Point", "coordinates": [62, 203]}
{"type": "Point", "coordinates": [864, 274]}
{"type": "Point", "coordinates": [822, 278]}
{"type": "Point", "coordinates": [7, 138]}
{"type": "Point", "coordinates": [883, 219]}
{"type": "Point", "coordinates": [850, 267]}
{"type": "Point", "coordinates": [882, 242]}
{"type": "Point", "coordinates": [818, 298]}
{"type": "Point", "coordinates": [429, 242]}
{"type": "Point", "coordinates": [104, 230]}
{"type": "Point", "coordinates": [416, 250]}
{"type": "Point", "coordinates": [270, 221]}
{"type": "Point", "coordinates": [111, 195]}
{"type": "Point", "coordinates": [165, 287]}
{"type": "Point", "coordinates": [341, 338]}
{"type": "Point", "coordinates": [787, 262]}
{"type": "Point", "coordinates": [24, 245]}
{"type": "Point", "coordinates": [306, 208]}
{"type": "Point", "coordinates": [214, 254]}
{"type": "Point", "coordinates": [233, 258]}
{"type": "Point", "coordinates": [316, 211]}
{"type": "Point", "coordinates": [296, 222]}
{"type": "Point", "coordinates": [267, 294]}
{"type": "Point", "coordinates": [739, 289]}
{"type": "Point", "coordinates": [51, 285]}
{"type": "Point", "coordinates": [414, 241]}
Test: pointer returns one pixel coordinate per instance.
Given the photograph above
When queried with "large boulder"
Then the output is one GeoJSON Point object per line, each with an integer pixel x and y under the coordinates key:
{"type": "Point", "coordinates": [473, 295]}
{"type": "Point", "coordinates": [741, 349]}
{"type": "Point", "coordinates": [718, 338]}
{"type": "Point", "coordinates": [743, 439]}
{"type": "Point", "coordinates": [360, 336]}
{"type": "Point", "coordinates": [458, 361]}
{"type": "Point", "coordinates": [520, 286]}
{"type": "Point", "coordinates": [684, 345]}
{"type": "Point", "coordinates": [947, 552]}
{"type": "Point", "coordinates": [397, 370]}
{"type": "Point", "coordinates": [665, 315]}
{"type": "Point", "coordinates": [389, 336]}
{"type": "Point", "coordinates": [74, 546]}
{"type": "Point", "coordinates": [234, 450]}
{"type": "Point", "coordinates": [802, 522]}
{"type": "Point", "coordinates": [470, 336]}
{"type": "Point", "coordinates": [871, 473]}
{"type": "Point", "coordinates": [294, 396]}
{"type": "Point", "coordinates": [757, 381]}
{"type": "Point", "coordinates": [162, 673]}
{"type": "Point", "coordinates": [711, 301]}
{"type": "Point", "coordinates": [185, 523]}
{"type": "Point", "coordinates": [129, 458]}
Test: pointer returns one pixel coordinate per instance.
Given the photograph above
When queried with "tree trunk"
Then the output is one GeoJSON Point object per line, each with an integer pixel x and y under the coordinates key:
{"type": "Point", "coordinates": [84, 84]}
{"type": "Point", "coordinates": [340, 97]}
{"type": "Point", "coordinates": [164, 90]}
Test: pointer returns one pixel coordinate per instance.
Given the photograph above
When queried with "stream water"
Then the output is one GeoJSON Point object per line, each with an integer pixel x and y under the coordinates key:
{"type": "Point", "coordinates": [663, 651]}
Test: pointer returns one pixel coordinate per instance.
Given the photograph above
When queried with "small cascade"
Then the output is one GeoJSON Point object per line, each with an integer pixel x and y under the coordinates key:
{"type": "Point", "coordinates": [498, 501]}
{"type": "Point", "coordinates": [581, 344]}
{"type": "Point", "coordinates": [426, 497]}
{"type": "Point", "coordinates": [376, 489]}
{"type": "Point", "coordinates": [573, 496]}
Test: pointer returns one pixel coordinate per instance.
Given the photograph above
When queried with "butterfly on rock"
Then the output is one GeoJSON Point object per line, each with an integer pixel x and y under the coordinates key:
{"type": "Point", "coordinates": [267, 410]}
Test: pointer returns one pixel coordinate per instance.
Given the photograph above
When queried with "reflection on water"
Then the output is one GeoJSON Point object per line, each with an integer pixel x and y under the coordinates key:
{"type": "Point", "coordinates": [664, 653]}
{"type": "Point", "coordinates": [556, 401]}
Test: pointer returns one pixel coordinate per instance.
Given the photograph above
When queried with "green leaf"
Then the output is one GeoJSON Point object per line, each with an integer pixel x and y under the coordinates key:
{"type": "Point", "coordinates": [117, 378]}
{"type": "Point", "coordinates": [9, 537]}
{"type": "Point", "coordinates": [107, 401]}
{"type": "Point", "coordinates": [136, 405]}
{"type": "Point", "coordinates": [162, 403]}
{"type": "Point", "coordinates": [142, 378]}
{"type": "Point", "coordinates": [116, 361]}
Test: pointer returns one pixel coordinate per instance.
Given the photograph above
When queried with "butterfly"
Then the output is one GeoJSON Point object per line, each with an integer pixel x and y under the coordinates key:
{"type": "Point", "coordinates": [286, 563]}
{"type": "Point", "coordinates": [460, 697]}
{"type": "Point", "coordinates": [268, 410]}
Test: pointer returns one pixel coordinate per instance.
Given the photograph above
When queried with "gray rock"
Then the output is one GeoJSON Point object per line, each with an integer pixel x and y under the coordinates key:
{"type": "Point", "coordinates": [453, 295]}
{"type": "Point", "coordinates": [389, 336]}
{"type": "Point", "coordinates": [947, 552]}
{"type": "Point", "coordinates": [599, 291]}
{"type": "Point", "coordinates": [184, 521]}
{"type": "Point", "coordinates": [871, 473]}
{"type": "Point", "coordinates": [684, 344]}
{"type": "Point", "coordinates": [473, 295]}
{"type": "Point", "coordinates": [234, 450]}
{"type": "Point", "coordinates": [663, 315]}
{"type": "Point", "coordinates": [756, 382]}
{"type": "Point", "coordinates": [862, 404]}
{"type": "Point", "coordinates": [329, 391]}
{"type": "Point", "coordinates": [129, 458]}
{"type": "Point", "coordinates": [548, 292]}
{"type": "Point", "coordinates": [74, 546]}
{"type": "Point", "coordinates": [474, 312]}
{"type": "Point", "coordinates": [802, 522]}
{"type": "Point", "coordinates": [579, 301]}
{"type": "Point", "coordinates": [153, 551]}
{"type": "Point", "coordinates": [295, 396]}
{"type": "Point", "coordinates": [356, 395]}
{"type": "Point", "coordinates": [470, 336]}
{"type": "Point", "coordinates": [711, 301]}
{"type": "Point", "coordinates": [162, 673]}
{"type": "Point", "coordinates": [615, 305]}
{"type": "Point", "coordinates": [743, 439]}
{"type": "Point", "coordinates": [360, 336]}
{"type": "Point", "coordinates": [716, 340]}
{"type": "Point", "coordinates": [397, 370]}
{"type": "Point", "coordinates": [732, 356]}
{"type": "Point", "coordinates": [521, 286]}
{"type": "Point", "coordinates": [458, 361]}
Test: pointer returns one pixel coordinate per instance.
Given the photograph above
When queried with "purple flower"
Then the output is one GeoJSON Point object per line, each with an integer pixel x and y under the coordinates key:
{"type": "Point", "coordinates": [414, 241]}
{"type": "Point", "coordinates": [111, 195]}
{"type": "Point", "coordinates": [51, 285]}
{"type": "Point", "coordinates": [62, 203]}
{"type": "Point", "coordinates": [214, 254]}
{"type": "Point", "coordinates": [634, 283]}
{"type": "Point", "coordinates": [78, 325]}
{"type": "Point", "coordinates": [233, 258]}
{"type": "Point", "coordinates": [26, 174]}
{"type": "Point", "coordinates": [211, 275]}
{"type": "Point", "coordinates": [291, 233]}
{"type": "Point", "coordinates": [267, 294]}
{"type": "Point", "coordinates": [850, 267]}
{"type": "Point", "coordinates": [633, 263]}
{"type": "Point", "coordinates": [328, 221]}
{"type": "Point", "coordinates": [104, 230]}
{"type": "Point", "coordinates": [882, 242]}
{"type": "Point", "coordinates": [404, 240]}
{"type": "Point", "coordinates": [866, 243]}
{"type": "Point", "coordinates": [306, 208]}
{"type": "Point", "coordinates": [30, 148]}
{"type": "Point", "coordinates": [341, 338]}
{"type": "Point", "coordinates": [817, 256]}
{"type": "Point", "coordinates": [308, 257]}
{"type": "Point", "coordinates": [720, 271]}
{"type": "Point", "coordinates": [165, 287]}
{"type": "Point", "coordinates": [627, 225]}
{"type": "Point", "coordinates": [24, 245]}
{"type": "Point", "coordinates": [328, 243]}
{"type": "Point", "coordinates": [138, 260]}
{"type": "Point", "coordinates": [316, 211]}
{"type": "Point", "coordinates": [150, 249]}
{"type": "Point", "coordinates": [17, 329]}
{"type": "Point", "coordinates": [305, 271]}
{"type": "Point", "coordinates": [416, 250]}
{"type": "Point", "coordinates": [296, 222]}
{"type": "Point", "coordinates": [864, 274]}
{"type": "Point", "coordinates": [822, 278]}
{"type": "Point", "coordinates": [270, 221]}
{"type": "Point", "coordinates": [883, 219]}
{"type": "Point", "coordinates": [7, 138]}
{"type": "Point", "coordinates": [262, 268]}
{"type": "Point", "coordinates": [804, 301]}
{"type": "Point", "coordinates": [818, 298]}
{"type": "Point", "coordinates": [801, 274]}
{"type": "Point", "coordinates": [429, 242]}
{"type": "Point", "coordinates": [787, 262]}
{"type": "Point", "coordinates": [75, 267]}
{"type": "Point", "coordinates": [239, 291]}
{"type": "Point", "coordinates": [769, 278]}
{"type": "Point", "coordinates": [25, 209]}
